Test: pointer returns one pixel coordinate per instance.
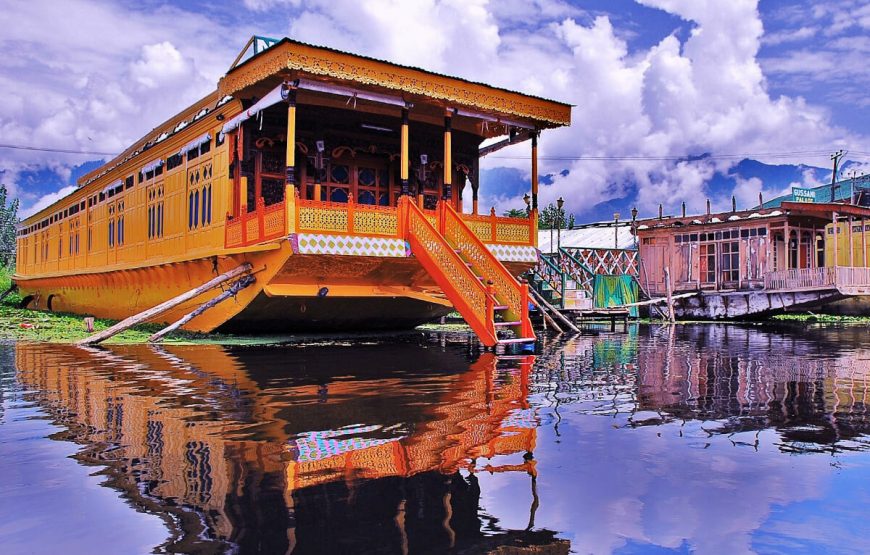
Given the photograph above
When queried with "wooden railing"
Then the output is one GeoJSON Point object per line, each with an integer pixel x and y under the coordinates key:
{"type": "Point", "coordinates": [506, 287]}
{"type": "Point", "coordinates": [850, 276]}
{"type": "Point", "coordinates": [497, 229]}
{"type": "Point", "coordinates": [817, 278]}
{"type": "Point", "coordinates": [264, 223]}
{"type": "Point", "coordinates": [348, 218]}
{"type": "Point", "coordinates": [611, 262]}
{"type": "Point", "coordinates": [470, 297]}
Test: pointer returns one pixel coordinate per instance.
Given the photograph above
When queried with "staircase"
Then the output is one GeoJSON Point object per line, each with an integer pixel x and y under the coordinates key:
{"type": "Point", "coordinates": [488, 297]}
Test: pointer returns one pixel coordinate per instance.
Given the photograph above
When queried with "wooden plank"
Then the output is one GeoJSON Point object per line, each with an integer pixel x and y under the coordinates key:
{"type": "Point", "coordinates": [561, 316]}
{"type": "Point", "coordinates": [547, 318]}
{"type": "Point", "coordinates": [165, 306]}
{"type": "Point", "coordinates": [243, 282]}
{"type": "Point", "coordinates": [657, 300]}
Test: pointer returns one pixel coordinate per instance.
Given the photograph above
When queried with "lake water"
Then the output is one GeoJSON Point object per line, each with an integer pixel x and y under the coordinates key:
{"type": "Point", "coordinates": [707, 439]}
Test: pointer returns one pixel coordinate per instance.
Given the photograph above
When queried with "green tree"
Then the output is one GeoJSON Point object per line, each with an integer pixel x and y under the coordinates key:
{"type": "Point", "coordinates": [550, 218]}
{"type": "Point", "coordinates": [516, 213]}
{"type": "Point", "coordinates": [8, 223]}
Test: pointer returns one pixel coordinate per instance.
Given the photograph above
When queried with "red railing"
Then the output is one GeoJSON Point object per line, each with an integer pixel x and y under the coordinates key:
{"type": "Point", "coordinates": [264, 223]}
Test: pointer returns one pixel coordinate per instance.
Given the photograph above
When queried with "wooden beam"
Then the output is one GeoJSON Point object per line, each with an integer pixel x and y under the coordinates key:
{"type": "Point", "coordinates": [521, 136]}
{"type": "Point", "coordinates": [237, 286]}
{"type": "Point", "coordinates": [165, 306]}
{"type": "Point", "coordinates": [547, 318]}
{"type": "Point", "coordinates": [534, 294]}
{"type": "Point", "coordinates": [657, 300]}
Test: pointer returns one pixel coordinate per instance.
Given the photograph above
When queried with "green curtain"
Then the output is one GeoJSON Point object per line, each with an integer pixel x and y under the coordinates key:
{"type": "Point", "coordinates": [615, 290]}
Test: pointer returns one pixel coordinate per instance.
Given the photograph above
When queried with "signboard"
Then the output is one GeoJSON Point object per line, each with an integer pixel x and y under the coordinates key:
{"type": "Point", "coordinates": [803, 195]}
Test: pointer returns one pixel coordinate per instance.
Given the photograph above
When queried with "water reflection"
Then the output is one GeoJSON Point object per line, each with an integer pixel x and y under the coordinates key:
{"type": "Point", "coordinates": [708, 438]}
{"type": "Point", "coordinates": [296, 449]}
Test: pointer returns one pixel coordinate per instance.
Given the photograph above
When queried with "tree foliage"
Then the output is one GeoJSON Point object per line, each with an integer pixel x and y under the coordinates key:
{"type": "Point", "coordinates": [516, 213]}
{"type": "Point", "coordinates": [551, 217]}
{"type": "Point", "coordinates": [8, 222]}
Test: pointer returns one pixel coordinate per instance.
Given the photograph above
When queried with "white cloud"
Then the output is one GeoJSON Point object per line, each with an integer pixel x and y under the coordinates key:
{"type": "Point", "coordinates": [47, 200]}
{"type": "Point", "coordinates": [705, 93]}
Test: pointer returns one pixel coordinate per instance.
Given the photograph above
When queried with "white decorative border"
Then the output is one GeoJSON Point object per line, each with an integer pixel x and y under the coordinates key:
{"type": "Point", "coordinates": [514, 253]}
{"type": "Point", "coordinates": [348, 245]}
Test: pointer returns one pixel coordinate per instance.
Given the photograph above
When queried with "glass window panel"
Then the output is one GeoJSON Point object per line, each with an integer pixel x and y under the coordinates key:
{"type": "Point", "coordinates": [339, 174]}
{"type": "Point", "coordinates": [367, 177]}
{"type": "Point", "coordinates": [338, 195]}
{"type": "Point", "coordinates": [366, 197]}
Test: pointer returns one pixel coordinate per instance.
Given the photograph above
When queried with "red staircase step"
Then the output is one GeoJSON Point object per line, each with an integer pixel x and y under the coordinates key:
{"type": "Point", "coordinates": [500, 307]}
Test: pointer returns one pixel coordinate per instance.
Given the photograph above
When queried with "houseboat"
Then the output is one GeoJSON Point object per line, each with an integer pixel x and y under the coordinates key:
{"type": "Point", "coordinates": [339, 179]}
{"type": "Point", "coordinates": [795, 256]}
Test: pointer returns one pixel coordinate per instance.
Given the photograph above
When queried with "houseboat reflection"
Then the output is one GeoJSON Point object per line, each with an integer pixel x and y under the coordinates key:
{"type": "Point", "coordinates": [234, 451]}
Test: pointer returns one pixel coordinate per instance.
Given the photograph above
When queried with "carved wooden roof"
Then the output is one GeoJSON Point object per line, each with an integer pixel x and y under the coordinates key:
{"type": "Point", "coordinates": [289, 56]}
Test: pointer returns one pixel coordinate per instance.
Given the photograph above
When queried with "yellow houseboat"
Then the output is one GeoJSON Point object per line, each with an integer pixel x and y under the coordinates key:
{"type": "Point", "coordinates": [338, 178]}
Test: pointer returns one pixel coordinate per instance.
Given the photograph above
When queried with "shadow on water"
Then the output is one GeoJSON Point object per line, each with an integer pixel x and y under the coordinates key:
{"type": "Point", "coordinates": [708, 438]}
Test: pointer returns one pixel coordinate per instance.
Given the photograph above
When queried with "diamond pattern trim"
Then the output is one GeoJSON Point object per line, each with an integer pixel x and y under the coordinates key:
{"type": "Point", "coordinates": [349, 245]}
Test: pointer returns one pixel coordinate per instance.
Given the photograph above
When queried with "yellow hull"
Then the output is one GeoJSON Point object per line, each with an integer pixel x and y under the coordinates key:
{"type": "Point", "coordinates": [292, 292]}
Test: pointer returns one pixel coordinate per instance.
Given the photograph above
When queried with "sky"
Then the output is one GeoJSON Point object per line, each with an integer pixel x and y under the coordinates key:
{"type": "Point", "coordinates": [675, 100]}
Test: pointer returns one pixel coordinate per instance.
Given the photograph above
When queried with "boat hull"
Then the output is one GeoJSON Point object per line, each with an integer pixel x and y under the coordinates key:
{"type": "Point", "coordinates": [750, 304]}
{"type": "Point", "coordinates": [292, 292]}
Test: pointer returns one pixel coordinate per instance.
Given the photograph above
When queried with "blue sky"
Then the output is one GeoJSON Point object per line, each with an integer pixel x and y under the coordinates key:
{"type": "Point", "coordinates": [685, 89]}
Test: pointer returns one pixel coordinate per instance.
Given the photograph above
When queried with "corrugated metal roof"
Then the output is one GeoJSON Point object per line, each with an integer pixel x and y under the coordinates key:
{"type": "Point", "coordinates": [592, 236]}
{"type": "Point", "coordinates": [844, 191]}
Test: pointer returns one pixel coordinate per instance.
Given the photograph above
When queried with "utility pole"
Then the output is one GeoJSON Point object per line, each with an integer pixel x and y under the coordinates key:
{"type": "Point", "coordinates": [836, 159]}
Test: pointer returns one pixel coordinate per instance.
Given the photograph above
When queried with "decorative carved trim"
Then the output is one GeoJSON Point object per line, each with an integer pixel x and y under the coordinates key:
{"type": "Point", "coordinates": [348, 67]}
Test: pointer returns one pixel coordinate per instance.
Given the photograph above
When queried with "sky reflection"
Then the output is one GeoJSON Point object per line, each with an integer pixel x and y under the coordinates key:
{"type": "Point", "coordinates": [712, 439]}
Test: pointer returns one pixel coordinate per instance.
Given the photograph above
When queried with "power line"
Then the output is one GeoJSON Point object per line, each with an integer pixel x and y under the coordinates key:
{"type": "Point", "coordinates": [776, 155]}
{"type": "Point", "coordinates": [59, 150]}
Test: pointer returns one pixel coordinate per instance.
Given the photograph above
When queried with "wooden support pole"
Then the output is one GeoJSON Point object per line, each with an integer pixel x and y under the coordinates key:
{"type": "Point", "coordinates": [290, 162]}
{"type": "Point", "coordinates": [534, 171]}
{"type": "Point", "coordinates": [165, 306]}
{"type": "Point", "coordinates": [851, 243]}
{"type": "Point", "coordinates": [836, 239]}
{"type": "Point", "coordinates": [448, 156]}
{"type": "Point", "coordinates": [233, 290]}
{"type": "Point", "coordinates": [671, 316]}
{"type": "Point", "coordinates": [562, 318]}
{"type": "Point", "coordinates": [405, 156]}
{"type": "Point", "coordinates": [863, 242]}
{"type": "Point", "coordinates": [547, 318]}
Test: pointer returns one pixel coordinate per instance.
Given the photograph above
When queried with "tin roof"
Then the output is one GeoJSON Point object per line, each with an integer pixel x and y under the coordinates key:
{"type": "Point", "coordinates": [598, 235]}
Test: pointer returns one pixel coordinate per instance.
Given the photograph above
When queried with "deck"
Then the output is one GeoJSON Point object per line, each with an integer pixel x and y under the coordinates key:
{"type": "Point", "coordinates": [848, 280]}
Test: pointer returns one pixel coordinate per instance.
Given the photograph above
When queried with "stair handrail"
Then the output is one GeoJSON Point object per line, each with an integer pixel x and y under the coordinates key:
{"type": "Point", "coordinates": [472, 296]}
{"type": "Point", "coordinates": [508, 290]}
{"type": "Point", "coordinates": [589, 279]}
{"type": "Point", "coordinates": [557, 287]}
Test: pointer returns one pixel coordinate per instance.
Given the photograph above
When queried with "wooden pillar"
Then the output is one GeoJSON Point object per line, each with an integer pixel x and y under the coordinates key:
{"type": "Point", "coordinates": [836, 238]}
{"type": "Point", "coordinates": [787, 236]}
{"type": "Point", "coordinates": [863, 243]}
{"type": "Point", "coordinates": [534, 171]}
{"type": "Point", "coordinates": [475, 184]}
{"type": "Point", "coordinates": [290, 171]}
{"type": "Point", "coordinates": [448, 156]}
{"type": "Point", "coordinates": [851, 244]}
{"type": "Point", "coordinates": [405, 157]}
{"type": "Point", "coordinates": [290, 164]}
